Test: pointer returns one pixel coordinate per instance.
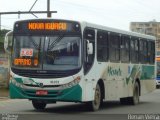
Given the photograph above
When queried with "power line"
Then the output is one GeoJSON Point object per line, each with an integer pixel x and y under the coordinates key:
{"type": "Point", "coordinates": [30, 12]}
{"type": "Point", "coordinates": [33, 5]}
{"type": "Point", "coordinates": [27, 12]}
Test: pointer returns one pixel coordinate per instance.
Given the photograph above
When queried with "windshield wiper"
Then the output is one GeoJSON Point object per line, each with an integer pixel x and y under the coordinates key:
{"type": "Point", "coordinates": [50, 47]}
{"type": "Point", "coordinates": [35, 44]}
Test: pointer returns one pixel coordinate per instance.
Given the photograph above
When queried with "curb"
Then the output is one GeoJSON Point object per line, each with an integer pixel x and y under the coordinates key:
{"type": "Point", "coordinates": [1, 98]}
{"type": "Point", "coordinates": [4, 99]}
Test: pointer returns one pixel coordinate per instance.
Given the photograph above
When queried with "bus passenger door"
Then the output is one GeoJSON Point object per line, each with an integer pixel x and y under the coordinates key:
{"type": "Point", "coordinates": [89, 54]}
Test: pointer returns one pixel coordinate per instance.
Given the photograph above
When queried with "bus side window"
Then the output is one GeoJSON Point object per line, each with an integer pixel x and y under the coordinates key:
{"type": "Point", "coordinates": [134, 50]}
{"type": "Point", "coordinates": [125, 49]}
{"type": "Point", "coordinates": [152, 52]}
{"type": "Point", "coordinates": [143, 51]}
{"type": "Point", "coordinates": [102, 46]}
{"type": "Point", "coordinates": [89, 36]}
{"type": "Point", "coordinates": [114, 47]}
{"type": "Point", "coordinates": [149, 52]}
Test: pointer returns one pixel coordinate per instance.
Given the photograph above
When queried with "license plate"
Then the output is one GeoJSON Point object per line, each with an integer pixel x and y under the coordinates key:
{"type": "Point", "coordinates": [41, 92]}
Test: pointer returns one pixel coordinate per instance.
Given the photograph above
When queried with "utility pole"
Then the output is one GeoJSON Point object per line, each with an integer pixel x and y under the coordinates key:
{"type": "Point", "coordinates": [48, 9]}
{"type": "Point", "coordinates": [0, 22]}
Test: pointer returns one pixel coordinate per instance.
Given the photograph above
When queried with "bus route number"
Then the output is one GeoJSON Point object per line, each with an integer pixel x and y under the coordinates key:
{"type": "Point", "coordinates": [26, 52]}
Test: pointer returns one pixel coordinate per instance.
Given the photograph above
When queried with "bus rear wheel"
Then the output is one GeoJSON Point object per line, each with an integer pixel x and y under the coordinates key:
{"type": "Point", "coordinates": [95, 104]}
{"type": "Point", "coordinates": [135, 99]}
{"type": "Point", "coordinates": [38, 105]}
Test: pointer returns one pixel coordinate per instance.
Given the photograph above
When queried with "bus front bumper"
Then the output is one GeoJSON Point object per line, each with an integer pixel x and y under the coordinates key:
{"type": "Point", "coordinates": [70, 94]}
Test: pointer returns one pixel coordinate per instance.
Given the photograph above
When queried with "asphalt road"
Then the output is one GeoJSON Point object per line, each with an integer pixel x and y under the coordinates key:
{"type": "Point", "coordinates": [149, 105]}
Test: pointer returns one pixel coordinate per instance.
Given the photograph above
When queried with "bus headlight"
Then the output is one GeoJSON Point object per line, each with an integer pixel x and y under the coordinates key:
{"type": "Point", "coordinates": [13, 81]}
{"type": "Point", "coordinates": [28, 81]}
{"type": "Point", "coordinates": [72, 83]}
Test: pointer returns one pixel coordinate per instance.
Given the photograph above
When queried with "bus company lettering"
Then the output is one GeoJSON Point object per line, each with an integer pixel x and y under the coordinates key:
{"type": "Point", "coordinates": [47, 26]}
{"type": "Point", "coordinates": [114, 71]}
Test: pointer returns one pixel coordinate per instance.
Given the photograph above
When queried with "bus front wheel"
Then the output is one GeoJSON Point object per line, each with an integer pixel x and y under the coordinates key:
{"type": "Point", "coordinates": [95, 104]}
{"type": "Point", "coordinates": [38, 105]}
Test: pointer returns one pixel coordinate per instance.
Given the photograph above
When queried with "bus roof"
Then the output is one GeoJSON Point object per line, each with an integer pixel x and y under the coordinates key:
{"type": "Point", "coordinates": [96, 26]}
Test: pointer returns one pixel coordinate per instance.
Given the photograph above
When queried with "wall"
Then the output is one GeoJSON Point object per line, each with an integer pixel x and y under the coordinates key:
{"type": "Point", "coordinates": [4, 70]}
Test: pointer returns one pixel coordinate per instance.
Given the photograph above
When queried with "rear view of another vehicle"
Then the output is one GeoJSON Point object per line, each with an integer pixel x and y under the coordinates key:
{"type": "Point", "coordinates": [158, 72]}
{"type": "Point", "coordinates": [158, 78]}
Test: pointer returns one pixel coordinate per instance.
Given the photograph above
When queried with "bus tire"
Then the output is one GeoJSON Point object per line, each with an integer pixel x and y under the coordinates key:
{"type": "Point", "coordinates": [134, 100]}
{"type": "Point", "coordinates": [38, 105]}
{"type": "Point", "coordinates": [94, 105]}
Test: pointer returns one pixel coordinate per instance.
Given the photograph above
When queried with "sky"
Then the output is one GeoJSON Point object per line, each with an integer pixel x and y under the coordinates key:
{"type": "Point", "coordinates": [112, 13]}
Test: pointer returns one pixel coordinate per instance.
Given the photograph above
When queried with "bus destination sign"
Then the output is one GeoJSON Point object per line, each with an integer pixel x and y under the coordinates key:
{"type": "Point", "coordinates": [47, 26]}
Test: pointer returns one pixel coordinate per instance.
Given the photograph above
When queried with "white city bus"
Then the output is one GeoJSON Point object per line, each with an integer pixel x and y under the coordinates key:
{"type": "Point", "coordinates": [62, 60]}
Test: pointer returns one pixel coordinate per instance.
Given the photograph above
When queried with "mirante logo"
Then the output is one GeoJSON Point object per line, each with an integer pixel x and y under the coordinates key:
{"type": "Point", "coordinates": [114, 71]}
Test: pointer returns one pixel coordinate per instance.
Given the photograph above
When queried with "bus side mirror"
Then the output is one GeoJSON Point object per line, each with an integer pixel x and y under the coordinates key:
{"type": "Point", "coordinates": [8, 42]}
{"type": "Point", "coordinates": [89, 48]}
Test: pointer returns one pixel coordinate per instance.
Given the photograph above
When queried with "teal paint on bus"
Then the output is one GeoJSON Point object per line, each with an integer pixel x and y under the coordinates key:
{"type": "Point", "coordinates": [70, 94]}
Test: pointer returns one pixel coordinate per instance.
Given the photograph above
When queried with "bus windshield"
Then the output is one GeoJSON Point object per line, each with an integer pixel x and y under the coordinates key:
{"type": "Point", "coordinates": [57, 52]}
